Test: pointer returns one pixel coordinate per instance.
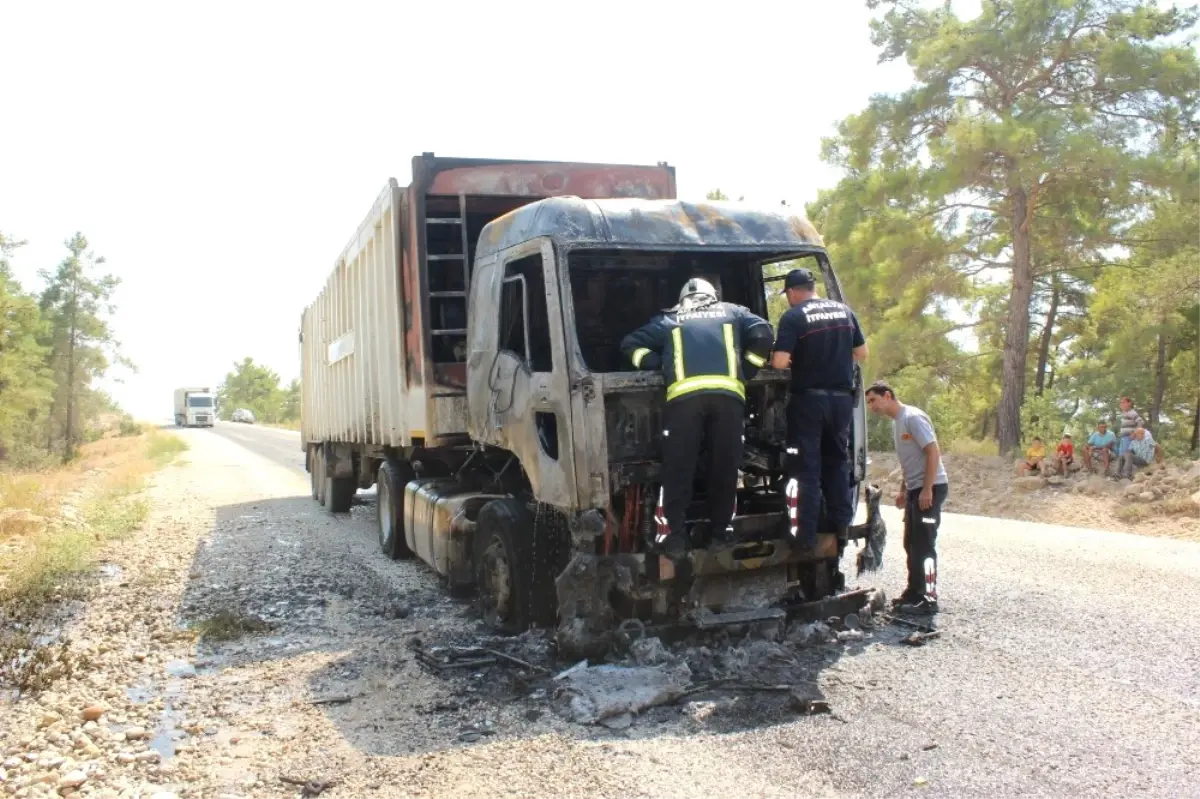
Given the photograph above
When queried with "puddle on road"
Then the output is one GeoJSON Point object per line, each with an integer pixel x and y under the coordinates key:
{"type": "Point", "coordinates": [139, 695]}
{"type": "Point", "coordinates": [180, 668]}
{"type": "Point", "coordinates": [168, 732]}
{"type": "Point", "coordinates": [168, 729]}
{"type": "Point", "coordinates": [111, 571]}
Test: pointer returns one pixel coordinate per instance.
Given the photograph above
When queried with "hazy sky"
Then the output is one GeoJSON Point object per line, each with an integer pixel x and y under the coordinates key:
{"type": "Point", "coordinates": [220, 155]}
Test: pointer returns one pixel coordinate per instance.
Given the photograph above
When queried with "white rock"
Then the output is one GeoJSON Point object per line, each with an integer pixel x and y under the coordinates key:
{"type": "Point", "coordinates": [72, 779]}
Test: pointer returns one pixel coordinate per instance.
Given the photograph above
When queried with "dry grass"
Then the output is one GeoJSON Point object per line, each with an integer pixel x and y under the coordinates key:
{"type": "Point", "coordinates": [969, 446]}
{"type": "Point", "coordinates": [283, 425]}
{"type": "Point", "coordinates": [1170, 506]}
{"type": "Point", "coordinates": [163, 447]}
{"type": "Point", "coordinates": [47, 542]}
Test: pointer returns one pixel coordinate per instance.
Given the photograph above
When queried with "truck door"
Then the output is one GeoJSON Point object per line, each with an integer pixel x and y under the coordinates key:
{"type": "Point", "coordinates": [519, 387]}
{"type": "Point", "coordinates": [858, 427]}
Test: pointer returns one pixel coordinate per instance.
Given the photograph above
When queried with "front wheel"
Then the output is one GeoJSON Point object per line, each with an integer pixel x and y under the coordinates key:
{"type": "Point", "coordinates": [514, 579]}
{"type": "Point", "coordinates": [390, 481]}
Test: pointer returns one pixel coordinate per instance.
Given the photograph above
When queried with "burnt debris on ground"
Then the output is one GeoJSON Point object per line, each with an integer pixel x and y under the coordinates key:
{"type": "Point", "coordinates": [772, 669]}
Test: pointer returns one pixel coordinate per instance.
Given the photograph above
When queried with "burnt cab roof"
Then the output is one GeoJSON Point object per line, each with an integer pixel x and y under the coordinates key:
{"type": "Point", "coordinates": [650, 224]}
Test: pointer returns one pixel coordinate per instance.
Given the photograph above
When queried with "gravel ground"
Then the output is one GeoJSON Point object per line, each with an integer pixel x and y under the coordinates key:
{"type": "Point", "coordinates": [1069, 664]}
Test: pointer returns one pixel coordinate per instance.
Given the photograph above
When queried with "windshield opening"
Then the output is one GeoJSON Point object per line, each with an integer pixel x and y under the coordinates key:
{"type": "Point", "coordinates": [199, 402]}
{"type": "Point", "coordinates": [617, 291]}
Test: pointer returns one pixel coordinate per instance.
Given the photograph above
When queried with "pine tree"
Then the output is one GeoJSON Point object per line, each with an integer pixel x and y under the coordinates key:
{"type": "Point", "coordinates": [1030, 105]}
{"type": "Point", "coordinates": [25, 384]}
{"type": "Point", "coordinates": [76, 305]}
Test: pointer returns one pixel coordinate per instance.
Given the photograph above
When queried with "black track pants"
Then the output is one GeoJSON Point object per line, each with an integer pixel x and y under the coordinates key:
{"type": "Point", "coordinates": [688, 422]}
{"type": "Point", "coordinates": [818, 439]}
{"type": "Point", "coordinates": [920, 541]}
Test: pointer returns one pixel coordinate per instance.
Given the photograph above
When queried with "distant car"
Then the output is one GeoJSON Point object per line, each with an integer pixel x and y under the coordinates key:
{"type": "Point", "coordinates": [243, 415]}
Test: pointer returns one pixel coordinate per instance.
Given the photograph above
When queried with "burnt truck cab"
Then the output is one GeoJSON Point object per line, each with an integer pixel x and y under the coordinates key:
{"type": "Point", "coordinates": [555, 286]}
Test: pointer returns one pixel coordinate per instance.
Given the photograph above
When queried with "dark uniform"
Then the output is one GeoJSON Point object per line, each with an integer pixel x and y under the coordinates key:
{"type": "Point", "coordinates": [705, 349]}
{"type": "Point", "coordinates": [821, 335]}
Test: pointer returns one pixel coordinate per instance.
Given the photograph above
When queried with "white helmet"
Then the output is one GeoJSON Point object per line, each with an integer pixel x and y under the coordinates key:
{"type": "Point", "coordinates": [697, 285]}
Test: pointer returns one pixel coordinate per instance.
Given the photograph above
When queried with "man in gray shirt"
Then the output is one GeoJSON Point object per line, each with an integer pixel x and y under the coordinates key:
{"type": "Point", "coordinates": [924, 489]}
{"type": "Point", "coordinates": [1130, 421]}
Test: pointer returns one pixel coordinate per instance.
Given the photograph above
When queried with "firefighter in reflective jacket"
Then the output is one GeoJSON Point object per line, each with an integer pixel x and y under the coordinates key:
{"type": "Point", "coordinates": [706, 349]}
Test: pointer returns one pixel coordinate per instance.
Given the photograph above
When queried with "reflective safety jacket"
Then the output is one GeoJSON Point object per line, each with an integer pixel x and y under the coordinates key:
{"type": "Point", "coordinates": [712, 348]}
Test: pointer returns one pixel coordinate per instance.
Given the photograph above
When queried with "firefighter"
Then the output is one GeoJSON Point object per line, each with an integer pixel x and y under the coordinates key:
{"type": "Point", "coordinates": [706, 349]}
{"type": "Point", "coordinates": [820, 340]}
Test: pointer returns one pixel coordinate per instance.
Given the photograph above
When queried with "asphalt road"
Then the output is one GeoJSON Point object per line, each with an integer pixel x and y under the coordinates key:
{"type": "Point", "coordinates": [1069, 664]}
{"type": "Point", "coordinates": [280, 446]}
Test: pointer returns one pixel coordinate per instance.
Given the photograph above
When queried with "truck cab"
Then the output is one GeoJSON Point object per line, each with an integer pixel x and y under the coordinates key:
{"type": "Point", "coordinates": [195, 407]}
{"type": "Point", "coordinates": [555, 286]}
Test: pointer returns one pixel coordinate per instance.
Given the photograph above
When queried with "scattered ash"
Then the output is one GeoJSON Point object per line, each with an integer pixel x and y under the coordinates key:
{"type": "Point", "coordinates": [724, 679]}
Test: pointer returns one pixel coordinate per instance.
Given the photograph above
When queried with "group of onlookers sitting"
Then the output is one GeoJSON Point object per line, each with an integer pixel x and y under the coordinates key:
{"type": "Point", "coordinates": [1134, 448]}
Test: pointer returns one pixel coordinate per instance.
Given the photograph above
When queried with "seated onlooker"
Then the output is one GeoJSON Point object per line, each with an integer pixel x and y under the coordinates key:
{"type": "Point", "coordinates": [1066, 454]}
{"type": "Point", "coordinates": [1034, 456]}
{"type": "Point", "coordinates": [1130, 420]}
{"type": "Point", "coordinates": [1100, 446]}
{"type": "Point", "coordinates": [1139, 453]}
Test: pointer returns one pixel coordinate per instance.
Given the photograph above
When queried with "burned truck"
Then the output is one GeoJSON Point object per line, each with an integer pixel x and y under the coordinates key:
{"type": "Point", "coordinates": [463, 358]}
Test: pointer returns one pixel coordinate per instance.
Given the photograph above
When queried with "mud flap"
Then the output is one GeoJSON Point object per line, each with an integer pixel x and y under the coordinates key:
{"type": "Point", "coordinates": [872, 532]}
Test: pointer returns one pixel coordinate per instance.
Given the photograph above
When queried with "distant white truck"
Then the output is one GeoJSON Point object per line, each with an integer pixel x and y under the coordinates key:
{"type": "Point", "coordinates": [195, 407]}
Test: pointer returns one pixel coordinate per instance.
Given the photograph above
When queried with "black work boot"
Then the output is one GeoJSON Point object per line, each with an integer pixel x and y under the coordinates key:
{"type": "Point", "coordinates": [919, 604]}
{"type": "Point", "coordinates": [801, 543]}
{"type": "Point", "coordinates": [675, 547]}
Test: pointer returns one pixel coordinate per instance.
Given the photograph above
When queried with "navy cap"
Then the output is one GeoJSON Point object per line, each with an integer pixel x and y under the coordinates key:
{"type": "Point", "coordinates": [798, 278]}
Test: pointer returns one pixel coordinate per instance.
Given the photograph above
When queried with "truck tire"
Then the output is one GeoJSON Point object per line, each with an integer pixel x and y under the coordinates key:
{"type": "Point", "coordinates": [339, 493]}
{"type": "Point", "coordinates": [393, 475]}
{"type": "Point", "coordinates": [318, 475]}
{"type": "Point", "coordinates": [311, 465]}
{"type": "Point", "coordinates": [516, 589]}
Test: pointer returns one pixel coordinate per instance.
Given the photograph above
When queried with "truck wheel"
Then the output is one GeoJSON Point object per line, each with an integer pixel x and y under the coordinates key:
{"type": "Point", "coordinates": [318, 475]}
{"type": "Point", "coordinates": [311, 465]}
{"type": "Point", "coordinates": [393, 475]}
{"type": "Point", "coordinates": [339, 493]}
{"type": "Point", "coordinates": [517, 589]}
